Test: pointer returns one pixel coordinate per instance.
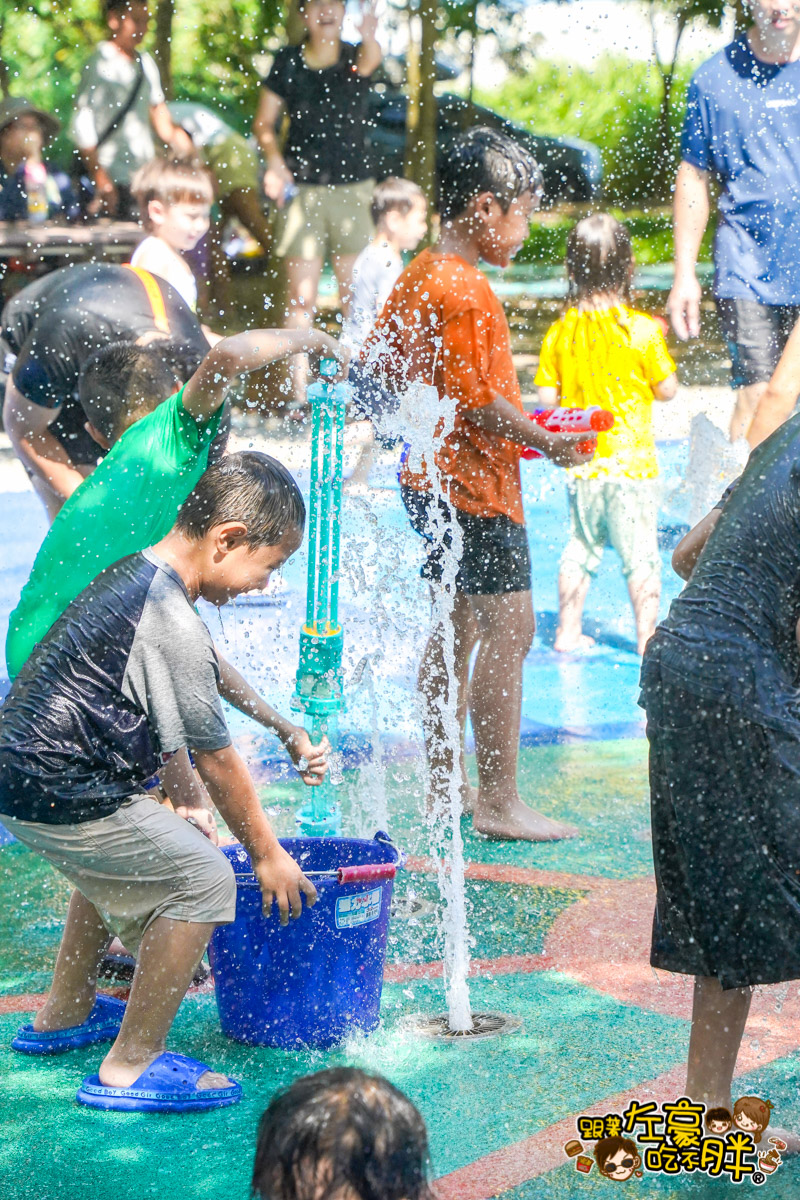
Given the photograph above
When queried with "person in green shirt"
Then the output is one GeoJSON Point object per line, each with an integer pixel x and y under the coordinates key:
{"type": "Point", "coordinates": [158, 449]}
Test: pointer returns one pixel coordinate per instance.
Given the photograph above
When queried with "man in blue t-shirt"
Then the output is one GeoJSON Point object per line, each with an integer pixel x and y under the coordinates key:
{"type": "Point", "coordinates": [742, 131]}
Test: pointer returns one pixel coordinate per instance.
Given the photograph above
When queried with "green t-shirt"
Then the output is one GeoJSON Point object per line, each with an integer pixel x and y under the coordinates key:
{"type": "Point", "coordinates": [129, 502]}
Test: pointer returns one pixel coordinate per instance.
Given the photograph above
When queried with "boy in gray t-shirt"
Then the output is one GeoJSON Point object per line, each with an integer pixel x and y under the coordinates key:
{"type": "Point", "coordinates": [126, 677]}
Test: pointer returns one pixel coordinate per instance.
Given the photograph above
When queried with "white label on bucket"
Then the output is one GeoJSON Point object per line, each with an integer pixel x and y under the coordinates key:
{"type": "Point", "coordinates": [358, 910]}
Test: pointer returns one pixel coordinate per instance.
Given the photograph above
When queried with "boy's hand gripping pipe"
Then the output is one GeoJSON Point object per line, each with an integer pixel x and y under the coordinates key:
{"type": "Point", "coordinates": [319, 675]}
{"type": "Point", "coordinates": [591, 420]}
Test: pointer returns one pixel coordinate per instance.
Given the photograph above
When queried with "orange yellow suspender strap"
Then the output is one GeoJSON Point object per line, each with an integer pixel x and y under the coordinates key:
{"type": "Point", "coordinates": [160, 319]}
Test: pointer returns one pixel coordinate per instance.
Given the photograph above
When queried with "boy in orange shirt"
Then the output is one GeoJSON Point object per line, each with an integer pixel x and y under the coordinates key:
{"type": "Point", "coordinates": [443, 324]}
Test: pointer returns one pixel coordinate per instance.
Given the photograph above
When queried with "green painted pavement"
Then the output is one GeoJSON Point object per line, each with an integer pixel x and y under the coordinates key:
{"type": "Point", "coordinates": [776, 1082]}
{"type": "Point", "coordinates": [576, 1046]}
{"type": "Point", "coordinates": [599, 786]}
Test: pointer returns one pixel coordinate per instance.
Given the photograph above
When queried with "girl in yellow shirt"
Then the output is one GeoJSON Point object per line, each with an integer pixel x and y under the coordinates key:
{"type": "Point", "coordinates": [604, 352]}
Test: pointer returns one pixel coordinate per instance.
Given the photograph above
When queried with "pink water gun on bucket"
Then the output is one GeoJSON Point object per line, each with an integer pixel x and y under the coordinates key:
{"type": "Point", "coordinates": [591, 420]}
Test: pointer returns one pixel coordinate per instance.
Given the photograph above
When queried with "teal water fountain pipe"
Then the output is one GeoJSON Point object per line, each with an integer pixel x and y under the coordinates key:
{"type": "Point", "coordinates": [319, 674]}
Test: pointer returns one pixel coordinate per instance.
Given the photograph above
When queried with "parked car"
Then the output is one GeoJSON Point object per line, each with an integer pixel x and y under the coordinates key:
{"type": "Point", "coordinates": [572, 169]}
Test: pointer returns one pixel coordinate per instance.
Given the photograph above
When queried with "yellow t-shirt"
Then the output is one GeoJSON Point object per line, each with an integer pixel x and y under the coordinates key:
{"type": "Point", "coordinates": [611, 357]}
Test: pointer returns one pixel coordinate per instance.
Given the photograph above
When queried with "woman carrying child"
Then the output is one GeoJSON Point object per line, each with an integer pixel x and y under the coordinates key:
{"type": "Point", "coordinates": [602, 352]}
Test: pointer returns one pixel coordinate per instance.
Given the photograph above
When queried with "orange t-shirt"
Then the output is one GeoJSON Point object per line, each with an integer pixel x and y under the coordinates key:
{"type": "Point", "coordinates": [443, 324]}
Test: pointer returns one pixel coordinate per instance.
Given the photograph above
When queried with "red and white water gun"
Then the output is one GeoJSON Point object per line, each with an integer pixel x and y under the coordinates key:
{"type": "Point", "coordinates": [591, 420]}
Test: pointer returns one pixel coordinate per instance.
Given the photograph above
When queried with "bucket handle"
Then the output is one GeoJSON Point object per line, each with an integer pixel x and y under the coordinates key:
{"type": "Point", "coordinates": [383, 838]}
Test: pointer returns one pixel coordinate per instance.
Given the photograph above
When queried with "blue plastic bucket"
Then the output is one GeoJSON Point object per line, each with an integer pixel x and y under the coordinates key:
{"type": "Point", "coordinates": [313, 982]}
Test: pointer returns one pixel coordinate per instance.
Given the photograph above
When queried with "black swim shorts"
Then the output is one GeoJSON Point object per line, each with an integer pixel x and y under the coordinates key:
{"type": "Point", "coordinates": [495, 557]}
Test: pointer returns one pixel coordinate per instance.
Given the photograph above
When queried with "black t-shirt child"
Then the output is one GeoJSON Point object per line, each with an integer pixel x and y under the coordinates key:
{"type": "Point", "coordinates": [126, 676]}
{"type": "Point", "coordinates": [327, 110]}
{"type": "Point", "coordinates": [731, 633]}
{"type": "Point", "coordinates": [54, 325]}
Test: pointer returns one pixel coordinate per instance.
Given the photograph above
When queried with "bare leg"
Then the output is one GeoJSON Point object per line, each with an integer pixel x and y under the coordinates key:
{"type": "Point", "coordinates": [74, 987]}
{"type": "Point", "coordinates": [644, 590]}
{"type": "Point", "coordinates": [302, 282]}
{"type": "Point", "coordinates": [343, 270]}
{"type": "Point", "coordinates": [506, 626]}
{"type": "Point", "coordinates": [245, 204]}
{"type": "Point", "coordinates": [363, 433]}
{"type": "Point", "coordinates": [433, 684]}
{"type": "Point", "coordinates": [718, 1021]}
{"type": "Point", "coordinates": [168, 958]}
{"type": "Point", "coordinates": [573, 588]}
{"type": "Point", "coordinates": [747, 401]}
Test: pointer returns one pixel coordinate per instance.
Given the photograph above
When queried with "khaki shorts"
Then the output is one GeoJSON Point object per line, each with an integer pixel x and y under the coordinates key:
{"type": "Point", "coordinates": [234, 164]}
{"type": "Point", "coordinates": [622, 513]}
{"type": "Point", "coordinates": [325, 220]}
{"type": "Point", "coordinates": [140, 863]}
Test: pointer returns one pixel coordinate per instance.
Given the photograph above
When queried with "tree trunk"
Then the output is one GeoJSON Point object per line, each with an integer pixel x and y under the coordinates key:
{"type": "Point", "coordinates": [5, 74]}
{"type": "Point", "coordinates": [665, 167]}
{"type": "Point", "coordinates": [165, 13]}
{"type": "Point", "coordinates": [420, 160]}
{"type": "Point", "coordinates": [743, 16]}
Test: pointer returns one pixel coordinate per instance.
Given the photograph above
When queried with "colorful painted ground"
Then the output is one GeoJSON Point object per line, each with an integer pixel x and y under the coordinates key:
{"type": "Point", "coordinates": [561, 939]}
{"type": "Point", "coordinates": [558, 944]}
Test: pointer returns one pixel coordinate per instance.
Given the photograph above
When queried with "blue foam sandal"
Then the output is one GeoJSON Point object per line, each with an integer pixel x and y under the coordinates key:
{"type": "Point", "coordinates": [102, 1025]}
{"type": "Point", "coordinates": [169, 1084]}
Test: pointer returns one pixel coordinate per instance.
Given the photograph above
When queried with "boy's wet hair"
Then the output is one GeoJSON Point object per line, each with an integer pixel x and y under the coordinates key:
{"type": "Point", "coordinates": [485, 160]}
{"type": "Point", "coordinates": [250, 487]}
{"type": "Point", "coordinates": [123, 382]}
{"type": "Point", "coordinates": [394, 195]}
{"type": "Point", "coordinates": [172, 181]}
{"type": "Point", "coordinates": [599, 258]}
{"type": "Point", "coordinates": [341, 1132]}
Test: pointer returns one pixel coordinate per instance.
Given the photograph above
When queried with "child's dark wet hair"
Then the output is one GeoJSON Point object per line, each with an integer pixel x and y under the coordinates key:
{"type": "Point", "coordinates": [599, 258]}
{"type": "Point", "coordinates": [250, 487]}
{"type": "Point", "coordinates": [124, 381]}
{"type": "Point", "coordinates": [341, 1134]}
{"type": "Point", "coordinates": [485, 160]}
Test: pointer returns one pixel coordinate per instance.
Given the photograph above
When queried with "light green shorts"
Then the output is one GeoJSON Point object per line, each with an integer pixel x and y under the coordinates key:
{"type": "Point", "coordinates": [622, 513]}
{"type": "Point", "coordinates": [323, 221]}
{"type": "Point", "coordinates": [141, 862]}
{"type": "Point", "coordinates": [234, 164]}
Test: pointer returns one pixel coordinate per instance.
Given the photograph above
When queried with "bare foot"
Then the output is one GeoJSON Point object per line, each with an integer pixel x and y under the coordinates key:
{"type": "Point", "coordinates": [469, 798]}
{"type": "Point", "coordinates": [792, 1140]}
{"type": "Point", "coordinates": [50, 1019]}
{"type": "Point", "coordinates": [123, 1075]}
{"type": "Point", "coordinates": [516, 822]}
{"type": "Point", "coordinates": [568, 644]}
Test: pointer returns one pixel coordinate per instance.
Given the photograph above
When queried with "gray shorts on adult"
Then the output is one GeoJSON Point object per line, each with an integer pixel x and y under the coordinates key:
{"type": "Point", "coordinates": [756, 335]}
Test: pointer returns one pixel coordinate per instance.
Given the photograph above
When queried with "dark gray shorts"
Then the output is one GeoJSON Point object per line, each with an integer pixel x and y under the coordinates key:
{"type": "Point", "coordinates": [725, 807]}
{"type": "Point", "coordinates": [756, 335]}
{"type": "Point", "coordinates": [495, 557]}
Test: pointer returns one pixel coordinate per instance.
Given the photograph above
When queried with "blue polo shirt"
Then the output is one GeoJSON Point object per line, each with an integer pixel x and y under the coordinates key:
{"type": "Point", "coordinates": [743, 127]}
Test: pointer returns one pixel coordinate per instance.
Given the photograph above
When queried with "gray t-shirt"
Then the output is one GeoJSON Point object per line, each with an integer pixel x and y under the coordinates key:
{"type": "Point", "coordinates": [375, 272]}
{"type": "Point", "coordinates": [126, 676]}
{"type": "Point", "coordinates": [108, 79]}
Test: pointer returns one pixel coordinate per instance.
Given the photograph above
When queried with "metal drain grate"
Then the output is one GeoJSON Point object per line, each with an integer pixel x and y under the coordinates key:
{"type": "Point", "coordinates": [484, 1025]}
{"type": "Point", "coordinates": [411, 908]}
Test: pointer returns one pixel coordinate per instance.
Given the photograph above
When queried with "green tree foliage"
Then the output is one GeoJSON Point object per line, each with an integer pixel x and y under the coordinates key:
{"type": "Point", "coordinates": [616, 104]}
{"type": "Point", "coordinates": [216, 48]}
